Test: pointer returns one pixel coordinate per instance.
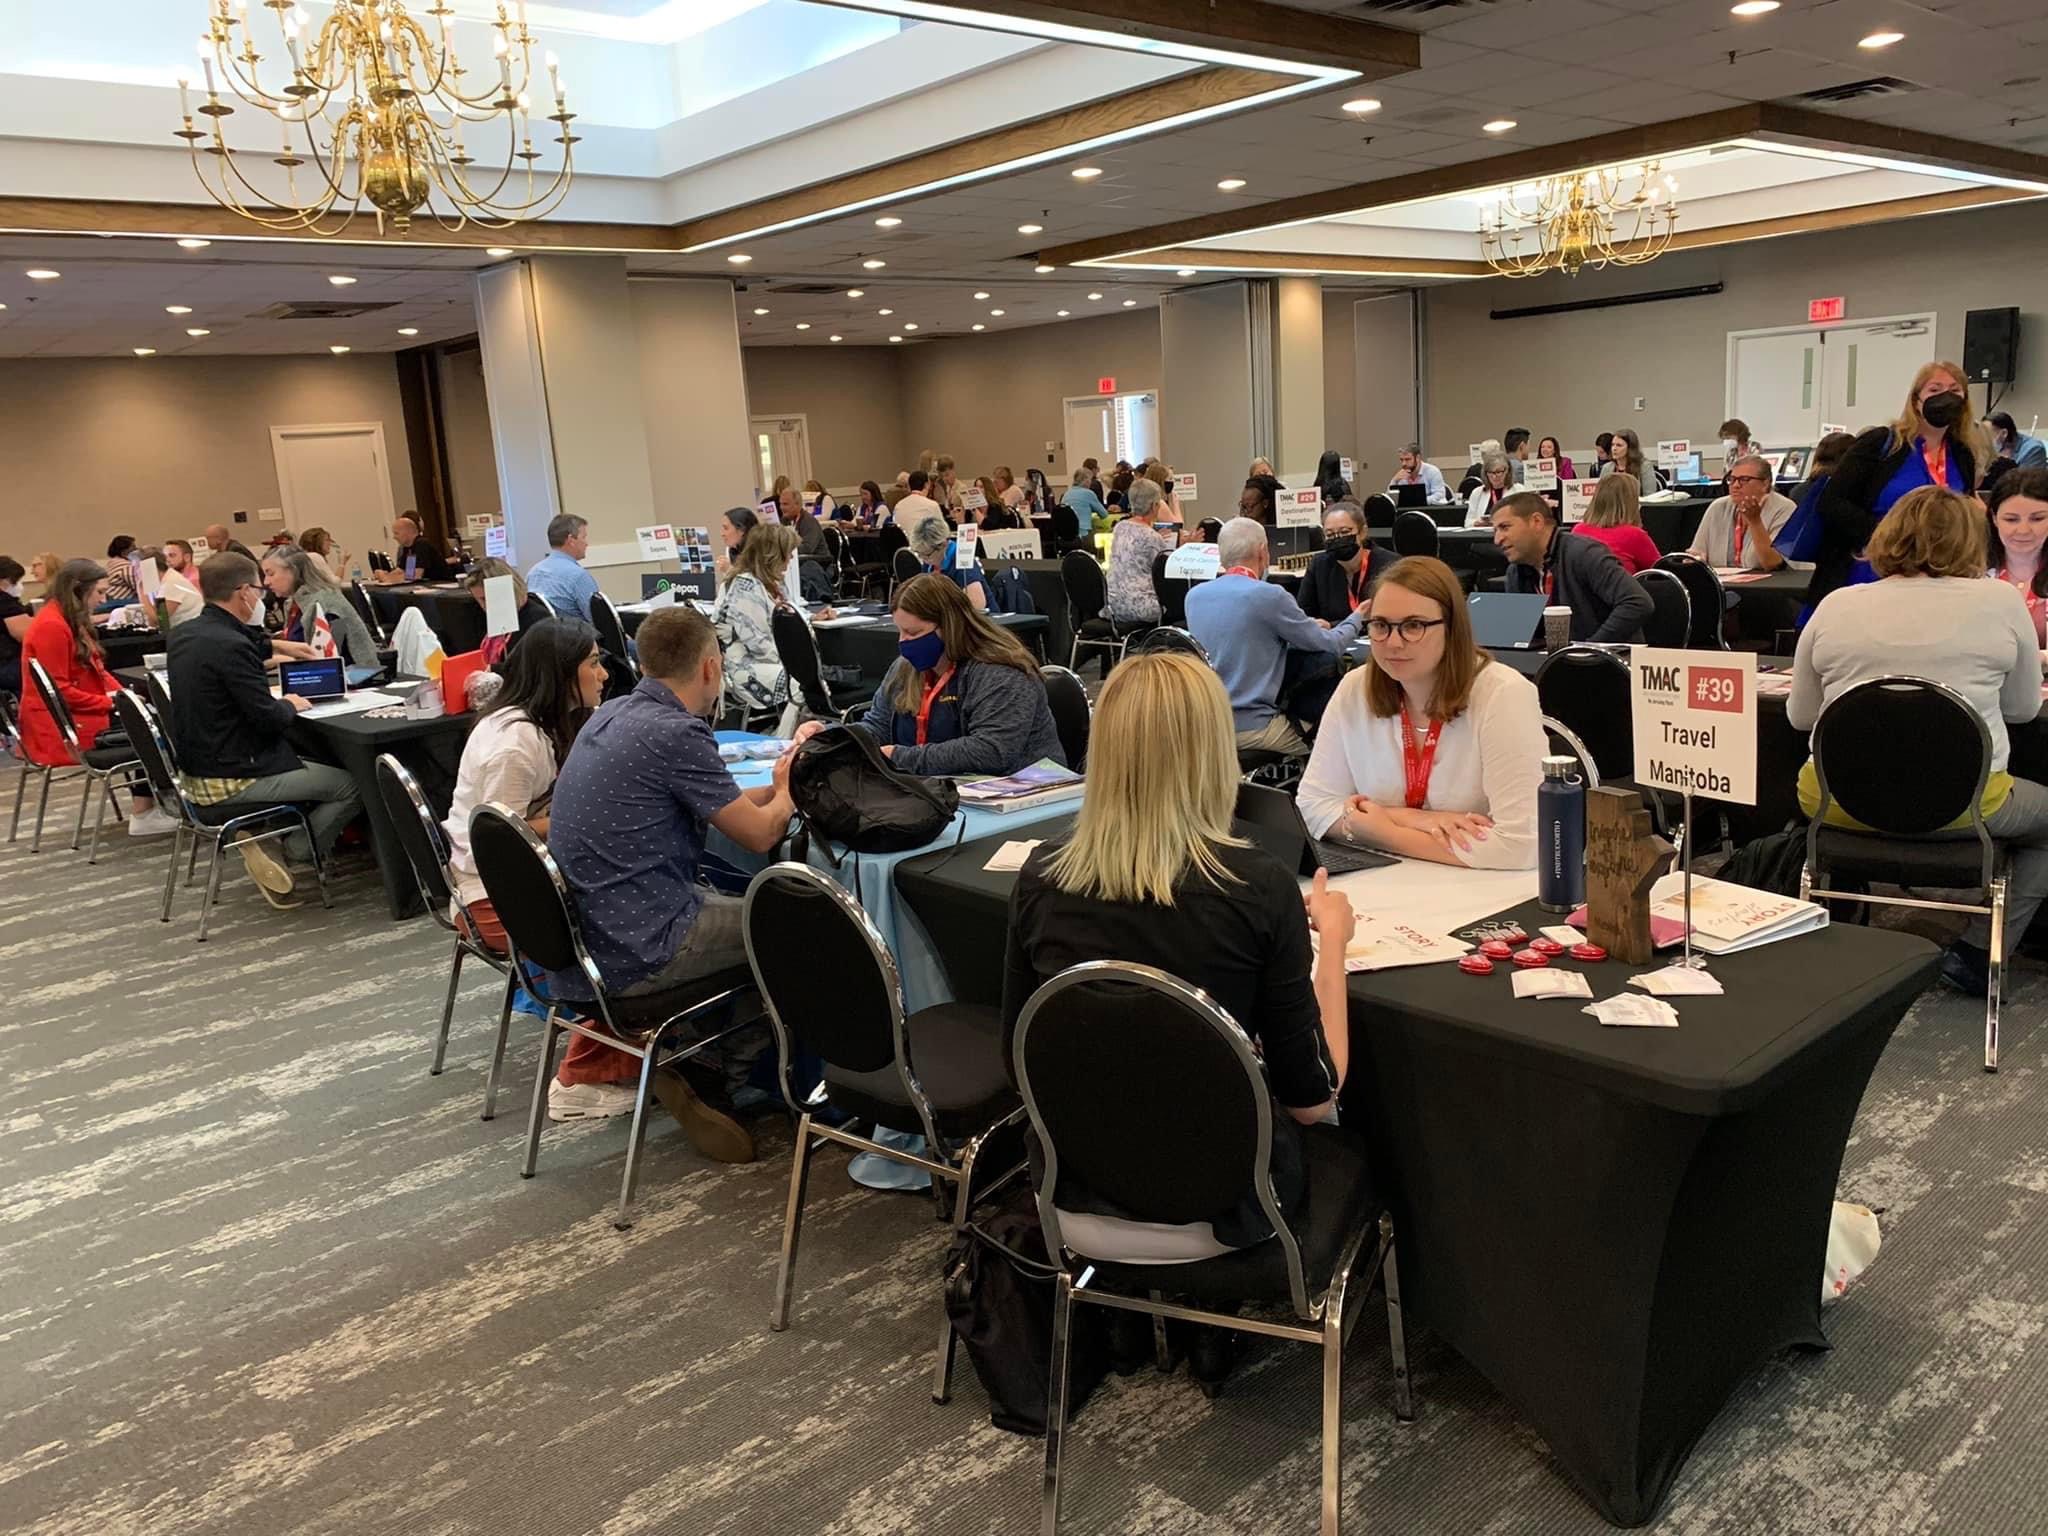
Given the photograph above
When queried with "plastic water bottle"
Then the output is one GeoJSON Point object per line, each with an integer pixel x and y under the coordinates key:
{"type": "Point", "coordinates": [1561, 836]}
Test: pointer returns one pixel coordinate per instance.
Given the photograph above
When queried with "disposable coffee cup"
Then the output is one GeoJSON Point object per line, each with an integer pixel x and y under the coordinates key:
{"type": "Point", "coordinates": [1557, 628]}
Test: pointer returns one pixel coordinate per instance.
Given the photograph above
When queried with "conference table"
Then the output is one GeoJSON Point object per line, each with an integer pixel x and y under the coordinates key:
{"type": "Point", "coordinates": [1616, 1227]}
{"type": "Point", "coordinates": [456, 618]}
{"type": "Point", "coordinates": [127, 647]}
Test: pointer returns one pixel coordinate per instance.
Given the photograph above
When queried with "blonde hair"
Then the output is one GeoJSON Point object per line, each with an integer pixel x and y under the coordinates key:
{"type": "Point", "coordinates": [479, 573]}
{"type": "Point", "coordinates": [1930, 532]}
{"type": "Point", "coordinates": [1965, 430]}
{"type": "Point", "coordinates": [1618, 503]}
{"type": "Point", "coordinates": [1162, 784]}
{"type": "Point", "coordinates": [1463, 660]}
{"type": "Point", "coordinates": [764, 555]}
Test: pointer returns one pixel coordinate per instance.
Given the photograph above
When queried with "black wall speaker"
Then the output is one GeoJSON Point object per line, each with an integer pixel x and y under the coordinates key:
{"type": "Point", "coordinates": [1991, 345]}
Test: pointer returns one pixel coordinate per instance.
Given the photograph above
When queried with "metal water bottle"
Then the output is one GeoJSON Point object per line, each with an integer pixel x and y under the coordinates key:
{"type": "Point", "coordinates": [1561, 836]}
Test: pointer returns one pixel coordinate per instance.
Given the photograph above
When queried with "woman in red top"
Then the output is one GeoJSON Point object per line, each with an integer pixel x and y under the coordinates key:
{"type": "Point", "coordinates": [1616, 519]}
{"type": "Point", "coordinates": [63, 638]}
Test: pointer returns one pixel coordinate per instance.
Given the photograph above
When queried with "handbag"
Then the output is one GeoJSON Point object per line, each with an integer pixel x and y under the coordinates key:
{"type": "Point", "coordinates": [1853, 1241]}
{"type": "Point", "coordinates": [848, 793]}
{"type": "Point", "coordinates": [999, 1298]}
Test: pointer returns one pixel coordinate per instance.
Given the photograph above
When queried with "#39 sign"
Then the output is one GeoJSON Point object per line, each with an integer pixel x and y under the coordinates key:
{"type": "Point", "coordinates": [1302, 508]}
{"type": "Point", "coordinates": [1695, 722]}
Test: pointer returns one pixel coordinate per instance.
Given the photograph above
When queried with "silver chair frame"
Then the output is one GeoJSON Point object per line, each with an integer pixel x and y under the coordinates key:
{"type": "Point", "coordinates": [100, 783]}
{"type": "Point", "coordinates": [1121, 636]}
{"type": "Point", "coordinates": [954, 1166]}
{"type": "Point", "coordinates": [1587, 766]}
{"type": "Point", "coordinates": [1325, 1320]}
{"type": "Point", "coordinates": [646, 1045]}
{"type": "Point", "coordinates": [467, 936]}
{"type": "Point", "coordinates": [618, 627]}
{"type": "Point", "coordinates": [1992, 883]}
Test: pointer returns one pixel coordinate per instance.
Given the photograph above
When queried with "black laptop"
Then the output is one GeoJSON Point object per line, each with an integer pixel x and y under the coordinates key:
{"type": "Point", "coordinates": [1411, 496]}
{"type": "Point", "coordinates": [1269, 818]}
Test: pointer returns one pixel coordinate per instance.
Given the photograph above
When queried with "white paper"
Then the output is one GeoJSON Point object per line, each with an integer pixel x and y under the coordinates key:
{"type": "Point", "coordinates": [1011, 855]}
{"type": "Point", "coordinates": [353, 704]}
{"type": "Point", "coordinates": [1436, 898]}
{"type": "Point", "coordinates": [1301, 509]}
{"type": "Point", "coordinates": [844, 621]}
{"type": "Point", "coordinates": [148, 580]}
{"type": "Point", "coordinates": [1544, 982]}
{"type": "Point", "coordinates": [1563, 934]}
{"type": "Point", "coordinates": [495, 542]}
{"type": "Point", "coordinates": [1184, 488]}
{"type": "Point", "coordinates": [501, 606]}
{"type": "Point", "coordinates": [1380, 942]}
{"type": "Point", "coordinates": [657, 542]}
{"type": "Point", "coordinates": [1677, 981]}
{"type": "Point", "coordinates": [1194, 562]}
{"type": "Point", "coordinates": [1634, 1012]}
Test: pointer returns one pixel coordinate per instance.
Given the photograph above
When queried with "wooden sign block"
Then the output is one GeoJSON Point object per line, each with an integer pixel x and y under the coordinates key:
{"type": "Point", "coordinates": [1624, 857]}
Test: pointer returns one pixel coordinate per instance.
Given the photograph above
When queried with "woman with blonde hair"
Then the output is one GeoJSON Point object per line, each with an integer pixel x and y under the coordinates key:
{"type": "Point", "coordinates": [745, 618]}
{"type": "Point", "coordinates": [1616, 519]}
{"type": "Point", "coordinates": [531, 610]}
{"type": "Point", "coordinates": [327, 553]}
{"type": "Point", "coordinates": [1932, 443]}
{"type": "Point", "coordinates": [1930, 614]}
{"type": "Point", "coordinates": [1431, 750]}
{"type": "Point", "coordinates": [1152, 873]}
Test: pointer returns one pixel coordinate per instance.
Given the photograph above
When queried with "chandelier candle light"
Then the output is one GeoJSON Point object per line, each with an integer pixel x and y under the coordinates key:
{"type": "Point", "coordinates": [376, 105]}
{"type": "Point", "coordinates": [1575, 220]}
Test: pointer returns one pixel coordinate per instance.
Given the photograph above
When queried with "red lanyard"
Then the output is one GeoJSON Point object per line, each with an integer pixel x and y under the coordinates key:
{"type": "Point", "coordinates": [1739, 527]}
{"type": "Point", "coordinates": [1936, 459]}
{"type": "Point", "coordinates": [1358, 585]}
{"type": "Point", "coordinates": [1549, 582]}
{"type": "Point", "coordinates": [1418, 758]}
{"type": "Point", "coordinates": [931, 696]}
{"type": "Point", "coordinates": [1242, 570]}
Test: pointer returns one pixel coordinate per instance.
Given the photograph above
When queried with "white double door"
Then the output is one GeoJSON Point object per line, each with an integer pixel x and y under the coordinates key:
{"type": "Point", "coordinates": [1111, 427]}
{"type": "Point", "coordinates": [335, 476]}
{"type": "Point", "coordinates": [1788, 384]}
{"type": "Point", "coordinates": [782, 446]}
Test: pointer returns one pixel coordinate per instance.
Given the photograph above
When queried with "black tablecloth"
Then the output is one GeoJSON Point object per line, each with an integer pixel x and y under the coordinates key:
{"type": "Point", "coordinates": [127, 647]}
{"type": "Point", "coordinates": [456, 618]}
{"type": "Point", "coordinates": [1615, 1226]}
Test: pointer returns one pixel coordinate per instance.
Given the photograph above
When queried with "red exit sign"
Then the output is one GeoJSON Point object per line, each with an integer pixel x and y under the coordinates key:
{"type": "Point", "coordinates": [1105, 386]}
{"type": "Point", "coordinates": [1818, 310]}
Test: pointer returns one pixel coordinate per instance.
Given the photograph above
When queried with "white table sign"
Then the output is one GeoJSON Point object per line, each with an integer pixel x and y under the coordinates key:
{"type": "Point", "coordinates": [963, 548]}
{"type": "Point", "coordinates": [657, 542]}
{"type": "Point", "coordinates": [1184, 487]}
{"type": "Point", "coordinates": [501, 606]}
{"type": "Point", "coordinates": [1302, 508]}
{"type": "Point", "coordinates": [1345, 468]}
{"type": "Point", "coordinates": [1829, 427]}
{"type": "Point", "coordinates": [1695, 721]}
{"type": "Point", "coordinates": [1541, 475]}
{"type": "Point", "coordinates": [1578, 498]}
{"type": "Point", "coordinates": [974, 500]}
{"type": "Point", "coordinates": [1475, 452]}
{"type": "Point", "coordinates": [1673, 454]}
{"type": "Point", "coordinates": [495, 542]}
{"type": "Point", "coordinates": [1010, 544]}
{"type": "Point", "coordinates": [1194, 562]}
{"type": "Point", "coordinates": [200, 548]}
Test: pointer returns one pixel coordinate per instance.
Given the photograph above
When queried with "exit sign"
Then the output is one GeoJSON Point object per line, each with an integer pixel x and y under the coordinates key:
{"type": "Point", "coordinates": [1818, 310]}
{"type": "Point", "coordinates": [1105, 386]}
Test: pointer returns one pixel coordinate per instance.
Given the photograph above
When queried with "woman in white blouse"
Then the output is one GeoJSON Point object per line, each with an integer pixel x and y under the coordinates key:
{"type": "Point", "coordinates": [1496, 483]}
{"type": "Point", "coordinates": [1432, 750]}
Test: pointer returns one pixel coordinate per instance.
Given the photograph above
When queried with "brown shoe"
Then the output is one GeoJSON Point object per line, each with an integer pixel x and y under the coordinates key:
{"type": "Point", "coordinates": [711, 1131]}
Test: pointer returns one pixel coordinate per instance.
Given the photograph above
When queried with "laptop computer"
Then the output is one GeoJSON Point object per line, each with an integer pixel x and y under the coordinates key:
{"type": "Point", "coordinates": [1507, 620]}
{"type": "Point", "coordinates": [1270, 819]}
{"type": "Point", "coordinates": [313, 681]}
{"type": "Point", "coordinates": [1411, 496]}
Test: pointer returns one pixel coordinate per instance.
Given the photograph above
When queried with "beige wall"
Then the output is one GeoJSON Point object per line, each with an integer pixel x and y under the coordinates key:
{"type": "Point", "coordinates": [160, 447]}
{"type": "Point", "coordinates": [1576, 375]}
{"type": "Point", "coordinates": [1340, 383]}
{"type": "Point", "coordinates": [466, 430]}
{"type": "Point", "coordinates": [851, 399]}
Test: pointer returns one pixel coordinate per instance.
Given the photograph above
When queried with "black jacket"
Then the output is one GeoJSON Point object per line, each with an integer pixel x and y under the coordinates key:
{"type": "Point", "coordinates": [1846, 518]}
{"type": "Point", "coordinates": [224, 722]}
{"type": "Point", "coordinates": [433, 565]}
{"type": "Point", "coordinates": [1322, 593]}
{"type": "Point", "coordinates": [1608, 605]}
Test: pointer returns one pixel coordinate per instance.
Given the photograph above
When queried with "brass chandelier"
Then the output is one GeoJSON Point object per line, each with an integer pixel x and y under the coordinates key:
{"type": "Point", "coordinates": [377, 107]}
{"type": "Point", "coordinates": [1564, 223]}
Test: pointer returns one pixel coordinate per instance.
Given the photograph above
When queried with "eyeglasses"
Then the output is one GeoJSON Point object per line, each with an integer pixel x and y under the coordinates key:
{"type": "Point", "coordinates": [1749, 479]}
{"type": "Point", "coordinates": [1410, 630]}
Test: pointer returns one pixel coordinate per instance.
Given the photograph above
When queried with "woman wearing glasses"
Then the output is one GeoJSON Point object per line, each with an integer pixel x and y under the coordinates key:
{"type": "Point", "coordinates": [1430, 751]}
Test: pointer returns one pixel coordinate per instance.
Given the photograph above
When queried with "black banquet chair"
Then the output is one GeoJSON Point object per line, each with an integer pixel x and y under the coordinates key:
{"type": "Point", "coordinates": [1176, 1147]}
{"type": "Point", "coordinates": [1709, 599]}
{"type": "Point", "coordinates": [1087, 595]}
{"type": "Point", "coordinates": [833, 992]}
{"type": "Point", "coordinates": [903, 564]}
{"type": "Point", "coordinates": [1379, 511]}
{"type": "Point", "coordinates": [426, 850]}
{"type": "Point", "coordinates": [621, 673]}
{"type": "Point", "coordinates": [1172, 592]}
{"type": "Point", "coordinates": [796, 646]}
{"type": "Point", "coordinates": [531, 899]}
{"type": "Point", "coordinates": [1908, 758]}
{"type": "Point", "coordinates": [104, 769]}
{"type": "Point", "coordinates": [1169, 637]}
{"type": "Point", "coordinates": [1071, 715]}
{"type": "Point", "coordinates": [1415, 533]}
{"type": "Point", "coordinates": [1670, 622]}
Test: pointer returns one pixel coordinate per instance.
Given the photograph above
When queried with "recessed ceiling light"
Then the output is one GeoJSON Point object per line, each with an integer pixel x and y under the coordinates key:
{"type": "Point", "coordinates": [1185, 272]}
{"type": "Point", "coordinates": [1874, 41]}
{"type": "Point", "coordinates": [1085, 172]}
{"type": "Point", "coordinates": [42, 274]}
{"type": "Point", "coordinates": [803, 325]}
{"type": "Point", "coordinates": [1063, 313]}
{"type": "Point", "coordinates": [1753, 8]}
{"type": "Point", "coordinates": [885, 311]}
{"type": "Point", "coordinates": [1042, 268]}
{"type": "Point", "coordinates": [895, 338]}
{"type": "Point", "coordinates": [500, 252]}
{"type": "Point", "coordinates": [760, 311]}
{"type": "Point", "coordinates": [408, 330]}
{"type": "Point", "coordinates": [981, 294]}
{"type": "Point", "coordinates": [196, 331]}
{"type": "Point", "coordinates": [145, 351]}
{"type": "Point", "coordinates": [739, 258]}
{"type": "Point", "coordinates": [1499, 125]}
{"type": "Point", "coordinates": [1366, 104]}
{"type": "Point", "coordinates": [1030, 229]}
{"type": "Point", "coordinates": [854, 293]}
{"type": "Point", "coordinates": [337, 351]}
{"type": "Point", "coordinates": [1096, 296]}
{"type": "Point", "coordinates": [910, 325]}
{"type": "Point", "coordinates": [342, 282]}
{"type": "Point", "coordinates": [874, 264]}
{"type": "Point", "coordinates": [193, 245]}
{"type": "Point", "coordinates": [1230, 184]}
{"type": "Point", "coordinates": [177, 309]}
{"type": "Point", "coordinates": [889, 221]}
{"type": "Point", "coordinates": [1130, 303]}
{"type": "Point", "coordinates": [977, 326]}
{"type": "Point", "coordinates": [998, 313]}
{"type": "Point", "coordinates": [835, 338]}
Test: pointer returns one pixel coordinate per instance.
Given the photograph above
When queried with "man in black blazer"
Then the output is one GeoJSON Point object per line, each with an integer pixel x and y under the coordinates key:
{"type": "Point", "coordinates": [1608, 605]}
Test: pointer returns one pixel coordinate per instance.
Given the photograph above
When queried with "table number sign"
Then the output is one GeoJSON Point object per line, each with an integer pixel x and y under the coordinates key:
{"type": "Point", "coordinates": [1695, 722]}
{"type": "Point", "coordinates": [1578, 499]}
{"type": "Point", "coordinates": [1302, 508]}
{"type": "Point", "coordinates": [657, 542]}
{"type": "Point", "coordinates": [1184, 487]}
{"type": "Point", "coordinates": [495, 542]}
{"type": "Point", "coordinates": [1541, 475]}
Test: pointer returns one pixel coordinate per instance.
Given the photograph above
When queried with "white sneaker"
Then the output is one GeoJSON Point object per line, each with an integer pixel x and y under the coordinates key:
{"type": "Point", "coordinates": [588, 1101]}
{"type": "Point", "coordinates": [152, 823]}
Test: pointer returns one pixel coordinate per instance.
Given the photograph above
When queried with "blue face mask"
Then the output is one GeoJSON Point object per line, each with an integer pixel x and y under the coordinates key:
{"type": "Point", "coordinates": [924, 652]}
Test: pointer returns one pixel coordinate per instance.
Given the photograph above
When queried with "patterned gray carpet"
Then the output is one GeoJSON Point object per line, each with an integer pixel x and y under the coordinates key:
{"type": "Point", "coordinates": [259, 1273]}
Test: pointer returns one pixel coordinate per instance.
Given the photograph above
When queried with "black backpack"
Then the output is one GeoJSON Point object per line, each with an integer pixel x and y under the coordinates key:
{"type": "Point", "coordinates": [847, 793]}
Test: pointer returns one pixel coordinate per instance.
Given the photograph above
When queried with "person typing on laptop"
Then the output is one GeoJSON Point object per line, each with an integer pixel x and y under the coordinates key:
{"type": "Point", "coordinates": [1431, 750]}
{"type": "Point", "coordinates": [1608, 605]}
{"type": "Point", "coordinates": [228, 730]}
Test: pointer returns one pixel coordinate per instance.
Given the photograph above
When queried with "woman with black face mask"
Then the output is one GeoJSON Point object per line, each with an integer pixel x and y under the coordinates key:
{"type": "Point", "coordinates": [1934, 442]}
{"type": "Point", "coordinates": [1338, 579]}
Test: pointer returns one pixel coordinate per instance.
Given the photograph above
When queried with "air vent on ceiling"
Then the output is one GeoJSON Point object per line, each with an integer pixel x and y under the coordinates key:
{"type": "Point", "coordinates": [1417, 7]}
{"type": "Point", "coordinates": [813, 288]}
{"type": "Point", "coordinates": [320, 309]}
{"type": "Point", "coordinates": [1861, 90]}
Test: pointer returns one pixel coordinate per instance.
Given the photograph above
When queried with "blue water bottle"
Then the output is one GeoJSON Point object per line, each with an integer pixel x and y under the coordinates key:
{"type": "Point", "coordinates": [1561, 836]}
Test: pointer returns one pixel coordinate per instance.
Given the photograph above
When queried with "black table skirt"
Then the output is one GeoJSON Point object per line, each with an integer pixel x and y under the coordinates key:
{"type": "Point", "coordinates": [456, 618]}
{"type": "Point", "coordinates": [1616, 1227]}
{"type": "Point", "coordinates": [126, 648]}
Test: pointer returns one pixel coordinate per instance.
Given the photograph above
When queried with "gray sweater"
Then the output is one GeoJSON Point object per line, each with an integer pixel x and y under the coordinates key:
{"type": "Point", "coordinates": [1005, 724]}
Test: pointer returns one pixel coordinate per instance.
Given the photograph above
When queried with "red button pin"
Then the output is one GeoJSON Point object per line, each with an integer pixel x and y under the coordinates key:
{"type": "Point", "coordinates": [1475, 965]}
{"type": "Point", "coordinates": [1548, 947]}
{"type": "Point", "coordinates": [1588, 952]}
{"type": "Point", "coordinates": [1530, 958]}
{"type": "Point", "coordinates": [1496, 949]}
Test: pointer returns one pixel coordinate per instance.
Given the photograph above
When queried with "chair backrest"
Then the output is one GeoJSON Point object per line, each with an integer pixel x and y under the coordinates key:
{"type": "Point", "coordinates": [891, 539]}
{"type": "Point", "coordinates": [152, 748]}
{"type": "Point", "coordinates": [611, 633]}
{"type": "Point", "coordinates": [1565, 742]}
{"type": "Point", "coordinates": [1670, 623]}
{"type": "Point", "coordinates": [1468, 485]}
{"type": "Point", "coordinates": [1587, 691]}
{"type": "Point", "coordinates": [1169, 637]}
{"type": "Point", "coordinates": [53, 701]}
{"type": "Point", "coordinates": [550, 607]}
{"type": "Point", "coordinates": [1379, 511]}
{"type": "Point", "coordinates": [1149, 1094]}
{"type": "Point", "coordinates": [1086, 587]}
{"type": "Point", "coordinates": [835, 544]}
{"type": "Point", "coordinates": [419, 833]}
{"type": "Point", "coordinates": [379, 561]}
{"type": "Point", "coordinates": [528, 893]}
{"type": "Point", "coordinates": [797, 648]}
{"type": "Point", "coordinates": [903, 565]}
{"type": "Point", "coordinates": [159, 699]}
{"type": "Point", "coordinates": [1704, 590]}
{"type": "Point", "coordinates": [1415, 533]}
{"type": "Point", "coordinates": [1172, 592]}
{"type": "Point", "coordinates": [1070, 713]}
{"type": "Point", "coordinates": [1903, 755]}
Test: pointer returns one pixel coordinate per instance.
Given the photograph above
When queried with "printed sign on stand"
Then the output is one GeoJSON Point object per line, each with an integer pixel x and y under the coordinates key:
{"type": "Point", "coordinates": [963, 548]}
{"type": "Point", "coordinates": [1673, 454]}
{"type": "Point", "coordinates": [495, 542]}
{"type": "Point", "coordinates": [1344, 467]}
{"type": "Point", "coordinates": [1578, 498]}
{"type": "Point", "coordinates": [974, 499]}
{"type": "Point", "coordinates": [1194, 562]}
{"type": "Point", "coordinates": [200, 548]}
{"type": "Point", "coordinates": [1541, 475]}
{"type": "Point", "coordinates": [1010, 544]}
{"type": "Point", "coordinates": [1474, 452]}
{"type": "Point", "coordinates": [1828, 428]}
{"type": "Point", "coordinates": [1695, 722]}
{"type": "Point", "coordinates": [1302, 508]}
{"type": "Point", "coordinates": [657, 542]}
{"type": "Point", "coordinates": [1184, 487]}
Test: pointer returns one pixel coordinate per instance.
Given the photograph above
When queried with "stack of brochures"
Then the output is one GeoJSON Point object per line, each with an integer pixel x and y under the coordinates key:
{"type": "Point", "coordinates": [1043, 782]}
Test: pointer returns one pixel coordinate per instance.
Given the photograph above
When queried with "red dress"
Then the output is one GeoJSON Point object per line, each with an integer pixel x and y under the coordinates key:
{"type": "Point", "coordinates": [86, 690]}
{"type": "Point", "coordinates": [1632, 546]}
